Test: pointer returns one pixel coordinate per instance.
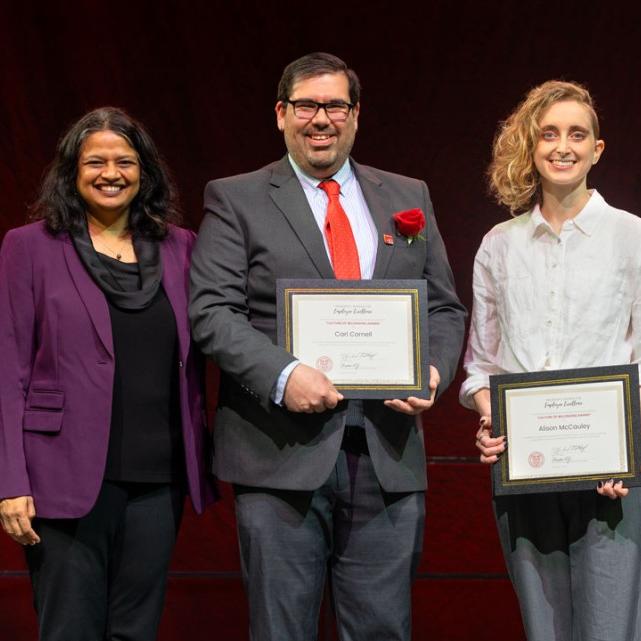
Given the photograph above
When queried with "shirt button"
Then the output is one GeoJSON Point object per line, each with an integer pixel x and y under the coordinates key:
{"type": "Point", "coordinates": [180, 363]}
{"type": "Point", "coordinates": [548, 322]}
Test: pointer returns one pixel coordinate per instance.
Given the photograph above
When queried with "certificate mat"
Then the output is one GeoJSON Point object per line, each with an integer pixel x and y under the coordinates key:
{"type": "Point", "coordinates": [566, 429]}
{"type": "Point", "coordinates": [368, 336]}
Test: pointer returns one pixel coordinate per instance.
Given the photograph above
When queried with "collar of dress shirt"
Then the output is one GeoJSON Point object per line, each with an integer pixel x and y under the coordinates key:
{"type": "Point", "coordinates": [586, 220]}
{"type": "Point", "coordinates": [343, 176]}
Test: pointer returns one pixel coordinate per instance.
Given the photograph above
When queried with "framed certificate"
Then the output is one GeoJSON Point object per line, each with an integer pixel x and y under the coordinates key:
{"type": "Point", "coordinates": [368, 336]}
{"type": "Point", "coordinates": [566, 429]}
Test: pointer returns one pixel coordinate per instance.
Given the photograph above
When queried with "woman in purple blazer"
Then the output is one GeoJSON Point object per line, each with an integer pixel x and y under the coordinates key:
{"type": "Point", "coordinates": [102, 427]}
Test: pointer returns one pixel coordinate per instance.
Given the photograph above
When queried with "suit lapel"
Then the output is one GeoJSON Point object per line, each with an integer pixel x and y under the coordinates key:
{"type": "Point", "coordinates": [173, 273]}
{"type": "Point", "coordinates": [381, 209]}
{"type": "Point", "coordinates": [288, 195]}
{"type": "Point", "coordinates": [92, 297]}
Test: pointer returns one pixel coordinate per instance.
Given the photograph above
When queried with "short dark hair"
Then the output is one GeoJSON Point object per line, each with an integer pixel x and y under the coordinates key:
{"type": "Point", "coordinates": [62, 207]}
{"type": "Point", "coordinates": [316, 64]}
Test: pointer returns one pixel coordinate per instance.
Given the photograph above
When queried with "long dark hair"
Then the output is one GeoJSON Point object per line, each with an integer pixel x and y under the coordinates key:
{"type": "Point", "coordinates": [62, 207]}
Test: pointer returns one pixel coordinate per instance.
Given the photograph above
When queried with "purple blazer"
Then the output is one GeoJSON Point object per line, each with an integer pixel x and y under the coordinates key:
{"type": "Point", "coordinates": [57, 370]}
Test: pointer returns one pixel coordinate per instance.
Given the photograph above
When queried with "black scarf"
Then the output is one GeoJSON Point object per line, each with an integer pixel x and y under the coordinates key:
{"type": "Point", "coordinates": [150, 265]}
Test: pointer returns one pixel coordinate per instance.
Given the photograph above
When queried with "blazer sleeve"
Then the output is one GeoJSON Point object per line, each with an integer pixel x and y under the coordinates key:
{"type": "Point", "coordinates": [219, 306]}
{"type": "Point", "coordinates": [446, 313]}
{"type": "Point", "coordinates": [17, 347]}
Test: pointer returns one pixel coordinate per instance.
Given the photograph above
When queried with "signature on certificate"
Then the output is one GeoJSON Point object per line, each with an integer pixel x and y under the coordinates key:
{"type": "Point", "coordinates": [353, 360]}
{"type": "Point", "coordinates": [567, 453]}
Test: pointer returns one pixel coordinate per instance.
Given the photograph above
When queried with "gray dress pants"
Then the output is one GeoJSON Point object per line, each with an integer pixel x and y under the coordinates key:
{"type": "Point", "coordinates": [574, 559]}
{"type": "Point", "coordinates": [365, 541]}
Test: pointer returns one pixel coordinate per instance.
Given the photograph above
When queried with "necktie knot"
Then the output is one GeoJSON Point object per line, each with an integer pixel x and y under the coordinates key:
{"type": "Point", "coordinates": [331, 188]}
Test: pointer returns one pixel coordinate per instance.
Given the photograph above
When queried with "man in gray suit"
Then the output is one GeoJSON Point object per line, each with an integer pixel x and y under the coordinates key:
{"type": "Point", "coordinates": [320, 483]}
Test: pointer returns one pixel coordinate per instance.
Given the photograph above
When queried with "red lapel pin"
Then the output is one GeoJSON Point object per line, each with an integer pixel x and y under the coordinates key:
{"type": "Point", "coordinates": [388, 239]}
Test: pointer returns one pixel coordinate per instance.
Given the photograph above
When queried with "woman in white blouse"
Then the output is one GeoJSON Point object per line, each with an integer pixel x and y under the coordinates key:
{"type": "Point", "coordinates": [559, 286]}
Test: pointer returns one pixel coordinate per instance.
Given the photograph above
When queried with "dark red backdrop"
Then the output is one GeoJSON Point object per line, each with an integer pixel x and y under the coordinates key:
{"type": "Point", "coordinates": [202, 76]}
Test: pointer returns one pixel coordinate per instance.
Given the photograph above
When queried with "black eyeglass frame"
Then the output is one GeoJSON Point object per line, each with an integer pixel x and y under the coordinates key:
{"type": "Point", "coordinates": [320, 105]}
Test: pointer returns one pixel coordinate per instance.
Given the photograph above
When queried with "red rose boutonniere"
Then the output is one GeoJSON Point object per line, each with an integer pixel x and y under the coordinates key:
{"type": "Point", "coordinates": [410, 223]}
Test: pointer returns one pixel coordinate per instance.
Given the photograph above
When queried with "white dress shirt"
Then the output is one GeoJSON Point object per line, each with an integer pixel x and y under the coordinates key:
{"type": "Point", "coordinates": [363, 229]}
{"type": "Point", "coordinates": [353, 203]}
{"type": "Point", "coordinates": [545, 301]}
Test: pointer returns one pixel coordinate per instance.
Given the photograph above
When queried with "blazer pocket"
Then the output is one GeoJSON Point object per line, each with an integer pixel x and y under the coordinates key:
{"type": "Point", "coordinates": [43, 411]}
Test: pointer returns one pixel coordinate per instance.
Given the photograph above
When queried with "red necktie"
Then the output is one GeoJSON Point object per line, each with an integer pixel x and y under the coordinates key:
{"type": "Point", "coordinates": [338, 232]}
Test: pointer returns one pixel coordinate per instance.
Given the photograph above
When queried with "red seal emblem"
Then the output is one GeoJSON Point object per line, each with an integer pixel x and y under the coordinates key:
{"type": "Point", "coordinates": [324, 363]}
{"type": "Point", "coordinates": [536, 459]}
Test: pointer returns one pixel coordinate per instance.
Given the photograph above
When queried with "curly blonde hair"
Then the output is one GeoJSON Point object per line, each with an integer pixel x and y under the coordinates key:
{"type": "Point", "coordinates": [514, 180]}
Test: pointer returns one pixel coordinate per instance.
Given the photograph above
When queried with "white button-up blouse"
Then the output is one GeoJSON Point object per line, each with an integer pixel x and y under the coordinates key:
{"type": "Point", "coordinates": [546, 301]}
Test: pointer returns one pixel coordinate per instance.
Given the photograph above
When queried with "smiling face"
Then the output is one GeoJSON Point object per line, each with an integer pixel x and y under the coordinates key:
{"type": "Point", "coordinates": [108, 175]}
{"type": "Point", "coordinates": [567, 147]}
{"type": "Point", "coordinates": [319, 146]}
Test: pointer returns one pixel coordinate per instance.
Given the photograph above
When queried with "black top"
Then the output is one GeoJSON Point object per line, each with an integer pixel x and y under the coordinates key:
{"type": "Point", "coordinates": [145, 443]}
{"type": "Point", "coordinates": [149, 268]}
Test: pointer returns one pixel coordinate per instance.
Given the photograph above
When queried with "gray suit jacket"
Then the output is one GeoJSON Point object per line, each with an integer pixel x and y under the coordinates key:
{"type": "Point", "coordinates": [258, 227]}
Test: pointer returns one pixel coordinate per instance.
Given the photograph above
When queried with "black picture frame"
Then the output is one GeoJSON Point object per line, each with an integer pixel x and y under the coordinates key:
{"type": "Point", "coordinates": [288, 289]}
{"type": "Point", "coordinates": [505, 483]}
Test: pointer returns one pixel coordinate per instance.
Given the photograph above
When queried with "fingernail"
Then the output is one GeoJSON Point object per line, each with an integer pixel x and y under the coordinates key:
{"type": "Point", "coordinates": [611, 481]}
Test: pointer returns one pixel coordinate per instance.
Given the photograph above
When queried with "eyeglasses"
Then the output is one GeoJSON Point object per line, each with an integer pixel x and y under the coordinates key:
{"type": "Point", "coordinates": [306, 109]}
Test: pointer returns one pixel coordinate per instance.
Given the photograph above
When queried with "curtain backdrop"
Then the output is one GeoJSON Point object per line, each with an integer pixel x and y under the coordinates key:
{"type": "Point", "coordinates": [202, 76]}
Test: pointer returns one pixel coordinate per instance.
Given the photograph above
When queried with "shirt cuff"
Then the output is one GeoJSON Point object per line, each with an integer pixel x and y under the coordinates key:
{"type": "Point", "coordinates": [470, 386]}
{"type": "Point", "coordinates": [279, 389]}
